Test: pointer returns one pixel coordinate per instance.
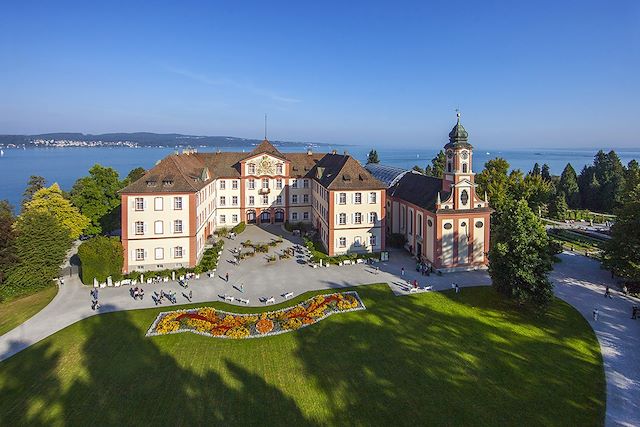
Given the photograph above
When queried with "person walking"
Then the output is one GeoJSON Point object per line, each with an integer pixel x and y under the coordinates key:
{"type": "Point", "coordinates": [242, 287]}
{"type": "Point", "coordinates": [634, 312]}
{"type": "Point", "coordinates": [607, 292]}
{"type": "Point", "coordinates": [226, 277]}
{"type": "Point", "coordinates": [190, 295]}
{"type": "Point", "coordinates": [402, 272]}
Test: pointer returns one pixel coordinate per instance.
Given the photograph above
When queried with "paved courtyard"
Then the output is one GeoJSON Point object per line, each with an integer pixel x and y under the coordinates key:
{"type": "Point", "coordinates": [578, 280]}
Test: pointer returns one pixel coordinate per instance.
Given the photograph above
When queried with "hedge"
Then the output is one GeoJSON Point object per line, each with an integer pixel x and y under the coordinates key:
{"type": "Point", "coordinates": [100, 257]}
{"type": "Point", "coordinates": [239, 228]}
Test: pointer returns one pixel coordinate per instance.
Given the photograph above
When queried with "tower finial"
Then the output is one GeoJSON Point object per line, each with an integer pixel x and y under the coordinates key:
{"type": "Point", "coordinates": [265, 126]}
{"type": "Point", "coordinates": [458, 114]}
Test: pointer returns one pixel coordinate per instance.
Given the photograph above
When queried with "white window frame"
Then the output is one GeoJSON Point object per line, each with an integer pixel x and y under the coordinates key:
{"type": "Point", "coordinates": [234, 184]}
{"type": "Point", "coordinates": [265, 199]}
{"type": "Point", "coordinates": [223, 184]}
{"type": "Point", "coordinates": [252, 200]}
{"type": "Point", "coordinates": [158, 253]}
{"type": "Point", "coordinates": [252, 184]}
{"type": "Point", "coordinates": [279, 184]}
{"type": "Point", "coordinates": [372, 240]}
{"type": "Point", "coordinates": [234, 218]}
{"type": "Point", "coordinates": [305, 198]}
{"type": "Point", "coordinates": [234, 200]}
{"type": "Point", "coordinates": [139, 204]}
{"type": "Point", "coordinates": [278, 200]}
{"type": "Point", "coordinates": [373, 197]}
{"type": "Point", "coordinates": [139, 228]}
{"type": "Point", "coordinates": [223, 219]}
{"type": "Point", "coordinates": [342, 219]}
{"type": "Point", "coordinates": [177, 203]}
{"type": "Point", "coordinates": [158, 203]}
{"type": "Point", "coordinates": [251, 168]}
{"type": "Point", "coordinates": [294, 183]}
{"type": "Point", "coordinates": [305, 183]}
{"type": "Point", "coordinates": [178, 226]}
{"type": "Point", "coordinates": [294, 216]}
{"type": "Point", "coordinates": [178, 252]}
{"type": "Point", "coordinates": [294, 199]}
{"type": "Point", "coordinates": [139, 254]}
{"type": "Point", "coordinates": [305, 215]}
{"type": "Point", "coordinates": [357, 218]}
{"type": "Point", "coordinates": [342, 198]}
{"type": "Point", "coordinates": [357, 241]}
{"type": "Point", "coordinates": [158, 227]}
{"type": "Point", "coordinates": [342, 242]}
{"type": "Point", "coordinates": [279, 168]}
{"type": "Point", "coordinates": [357, 198]}
{"type": "Point", "coordinates": [223, 201]}
{"type": "Point", "coordinates": [372, 217]}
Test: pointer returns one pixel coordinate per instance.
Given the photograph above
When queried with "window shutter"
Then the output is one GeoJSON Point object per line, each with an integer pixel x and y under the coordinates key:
{"type": "Point", "coordinates": [353, 219]}
{"type": "Point", "coordinates": [144, 201]}
{"type": "Point", "coordinates": [144, 227]}
{"type": "Point", "coordinates": [145, 255]}
{"type": "Point", "coordinates": [133, 202]}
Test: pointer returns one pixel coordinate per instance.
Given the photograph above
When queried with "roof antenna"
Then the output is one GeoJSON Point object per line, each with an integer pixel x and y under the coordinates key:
{"type": "Point", "coordinates": [265, 126]}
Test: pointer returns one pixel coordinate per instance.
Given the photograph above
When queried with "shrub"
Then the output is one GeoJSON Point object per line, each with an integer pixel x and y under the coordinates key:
{"type": "Point", "coordinates": [100, 257]}
{"type": "Point", "coordinates": [239, 228]}
{"type": "Point", "coordinates": [221, 232]}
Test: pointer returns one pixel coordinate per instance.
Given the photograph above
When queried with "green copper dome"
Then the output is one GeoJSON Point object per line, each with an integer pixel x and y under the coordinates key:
{"type": "Point", "coordinates": [458, 137]}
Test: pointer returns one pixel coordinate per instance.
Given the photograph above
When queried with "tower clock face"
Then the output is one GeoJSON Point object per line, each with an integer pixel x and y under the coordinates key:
{"type": "Point", "coordinates": [464, 155]}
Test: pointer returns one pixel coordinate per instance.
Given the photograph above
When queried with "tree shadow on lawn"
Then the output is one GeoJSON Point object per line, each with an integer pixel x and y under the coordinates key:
{"type": "Point", "coordinates": [404, 361]}
{"type": "Point", "coordinates": [412, 362]}
{"type": "Point", "coordinates": [132, 384]}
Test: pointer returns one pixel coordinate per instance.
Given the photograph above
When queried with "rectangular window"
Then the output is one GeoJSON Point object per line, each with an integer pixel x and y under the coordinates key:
{"type": "Point", "coordinates": [294, 183]}
{"type": "Point", "coordinates": [223, 184]}
{"type": "Point", "coordinates": [252, 184]}
{"type": "Point", "coordinates": [139, 254]}
{"type": "Point", "coordinates": [223, 219]}
{"type": "Point", "coordinates": [342, 219]}
{"type": "Point", "coordinates": [178, 252]}
{"type": "Point", "coordinates": [305, 215]}
{"type": "Point", "coordinates": [279, 168]}
{"type": "Point", "coordinates": [372, 197]}
{"type": "Point", "coordinates": [357, 198]}
{"type": "Point", "coordinates": [279, 183]}
{"type": "Point", "coordinates": [343, 242]}
{"type": "Point", "coordinates": [157, 203]}
{"type": "Point", "coordinates": [159, 253]}
{"type": "Point", "coordinates": [305, 183]}
{"type": "Point", "coordinates": [305, 198]}
{"type": "Point", "coordinates": [252, 169]}
{"type": "Point", "coordinates": [139, 227]}
{"type": "Point", "coordinates": [234, 184]}
{"type": "Point", "coordinates": [294, 216]}
{"type": "Point", "coordinates": [252, 200]}
{"type": "Point", "coordinates": [177, 226]}
{"type": "Point", "coordinates": [372, 217]}
{"type": "Point", "coordinates": [357, 241]}
{"type": "Point", "coordinates": [357, 218]}
{"type": "Point", "coordinates": [234, 200]}
{"type": "Point", "coordinates": [265, 182]}
{"type": "Point", "coordinates": [372, 240]}
{"type": "Point", "coordinates": [234, 218]}
{"type": "Point", "coordinates": [342, 199]}
{"type": "Point", "coordinates": [158, 227]}
{"type": "Point", "coordinates": [223, 201]}
{"type": "Point", "coordinates": [139, 204]}
{"type": "Point", "coordinates": [265, 200]}
{"type": "Point", "coordinates": [177, 203]}
{"type": "Point", "coordinates": [278, 200]}
{"type": "Point", "coordinates": [294, 199]}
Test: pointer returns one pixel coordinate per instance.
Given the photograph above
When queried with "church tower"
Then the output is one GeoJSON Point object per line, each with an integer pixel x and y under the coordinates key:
{"type": "Point", "coordinates": [458, 184]}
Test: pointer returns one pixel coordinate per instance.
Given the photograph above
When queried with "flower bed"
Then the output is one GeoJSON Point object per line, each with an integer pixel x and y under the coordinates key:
{"type": "Point", "coordinates": [222, 324]}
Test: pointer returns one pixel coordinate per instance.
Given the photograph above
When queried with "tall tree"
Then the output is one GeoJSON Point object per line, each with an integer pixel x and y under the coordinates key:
{"type": "Point", "coordinates": [520, 257]}
{"type": "Point", "coordinates": [589, 188]}
{"type": "Point", "coordinates": [418, 169]}
{"type": "Point", "coordinates": [569, 186]}
{"type": "Point", "coordinates": [494, 180]}
{"type": "Point", "coordinates": [632, 177]}
{"type": "Point", "coordinates": [7, 239]}
{"type": "Point", "coordinates": [133, 176]}
{"type": "Point", "coordinates": [52, 201]}
{"type": "Point", "coordinates": [96, 195]}
{"type": "Point", "coordinates": [558, 207]}
{"type": "Point", "coordinates": [41, 245]}
{"type": "Point", "coordinates": [34, 184]}
{"type": "Point", "coordinates": [622, 251]}
{"type": "Point", "coordinates": [536, 190]}
{"type": "Point", "coordinates": [546, 172]}
{"type": "Point", "coordinates": [436, 168]}
{"type": "Point", "coordinates": [535, 170]}
{"type": "Point", "coordinates": [609, 173]}
{"type": "Point", "coordinates": [373, 157]}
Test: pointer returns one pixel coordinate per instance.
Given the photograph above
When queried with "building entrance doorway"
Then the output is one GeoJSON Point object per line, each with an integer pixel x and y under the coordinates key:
{"type": "Point", "coordinates": [251, 217]}
{"type": "Point", "coordinates": [265, 217]}
{"type": "Point", "coordinates": [279, 217]}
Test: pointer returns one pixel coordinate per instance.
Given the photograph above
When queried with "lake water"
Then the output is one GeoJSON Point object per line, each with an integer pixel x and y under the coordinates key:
{"type": "Point", "coordinates": [65, 165]}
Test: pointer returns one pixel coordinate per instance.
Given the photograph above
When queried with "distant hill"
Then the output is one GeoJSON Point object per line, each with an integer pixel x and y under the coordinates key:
{"type": "Point", "coordinates": [144, 139]}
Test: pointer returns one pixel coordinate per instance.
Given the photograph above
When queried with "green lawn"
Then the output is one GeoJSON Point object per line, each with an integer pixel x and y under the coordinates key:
{"type": "Point", "coordinates": [426, 359]}
{"type": "Point", "coordinates": [16, 312]}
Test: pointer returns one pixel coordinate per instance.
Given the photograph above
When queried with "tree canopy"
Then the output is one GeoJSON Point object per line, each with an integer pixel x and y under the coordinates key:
{"type": "Point", "coordinates": [133, 175]}
{"type": "Point", "coordinates": [520, 256]}
{"type": "Point", "coordinates": [96, 195]}
{"type": "Point", "coordinates": [436, 168]}
{"type": "Point", "coordinates": [568, 185]}
{"type": "Point", "coordinates": [494, 180]}
{"type": "Point", "coordinates": [100, 257]}
{"type": "Point", "coordinates": [41, 245]}
{"type": "Point", "coordinates": [622, 252]}
{"type": "Point", "coordinates": [51, 200]}
{"type": "Point", "coordinates": [373, 157]}
{"type": "Point", "coordinates": [558, 207]}
{"type": "Point", "coordinates": [7, 239]}
{"type": "Point", "coordinates": [34, 184]}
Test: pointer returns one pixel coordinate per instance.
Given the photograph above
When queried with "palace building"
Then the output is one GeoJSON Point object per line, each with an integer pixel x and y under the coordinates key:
{"type": "Point", "coordinates": [168, 214]}
{"type": "Point", "coordinates": [443, 220]}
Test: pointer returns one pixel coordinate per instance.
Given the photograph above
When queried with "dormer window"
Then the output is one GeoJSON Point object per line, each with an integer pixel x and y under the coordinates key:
{"type": "Point", "coordinates": [167, 183]}
{"type": "Point", "coordinates": [152, 183]}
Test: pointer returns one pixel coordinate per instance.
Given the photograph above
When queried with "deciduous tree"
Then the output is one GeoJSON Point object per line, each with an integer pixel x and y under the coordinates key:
{"type": "Point", "coordinates": [96, 195]}
{"type": "Point", "coordinates": [100, 257]}
{"type": "Point", "coordinates": [34, 184]}
{"type": "Point", "coordinates": [7, 239]}
{"type": "Point", "coordinates": [520, 256]}
{"type": "Point", "coordinates": [622, 251]}
{"type": "Point", "coordinates": [51, 200]}
{"type": "Point", "coordinates": [494, 180]}
{"type": "Point", "coordinates": [133, 176]}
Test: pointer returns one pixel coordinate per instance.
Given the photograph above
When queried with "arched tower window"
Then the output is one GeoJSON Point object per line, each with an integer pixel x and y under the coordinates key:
{"type": "Point", "coordinates": [449, 167]}
{"type": "Point", "coordinates": [464, 168]}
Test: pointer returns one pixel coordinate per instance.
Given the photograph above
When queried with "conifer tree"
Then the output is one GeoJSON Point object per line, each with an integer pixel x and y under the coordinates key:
{"type": "Point", "coordinates": [569, 186]}
{"type": "Point", "coordinates": [436, 168]}
{"type": "Point", "coordinates": [373, 157]}
{"type": "Point", "coordinates": [622, 251]}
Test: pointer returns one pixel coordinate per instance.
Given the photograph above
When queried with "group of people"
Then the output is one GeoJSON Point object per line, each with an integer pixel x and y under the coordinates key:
{"type": "Point", "coordinates": [136, 293]}
{"type": "Point", "coordinates": [424, 268]}
{"type": "Point", "coordinates": [635, 310]}
{"type": "Point", "coordinates": [170, 296]}
{"type": "Point", "coordinates": [94, 299]}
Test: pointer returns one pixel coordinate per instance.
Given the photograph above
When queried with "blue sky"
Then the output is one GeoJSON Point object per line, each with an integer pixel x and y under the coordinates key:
{"type": "Point", "coordinates": [524, 74]}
